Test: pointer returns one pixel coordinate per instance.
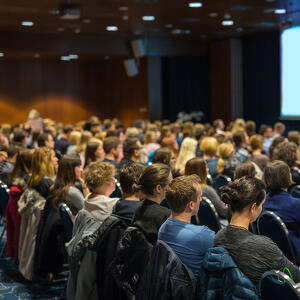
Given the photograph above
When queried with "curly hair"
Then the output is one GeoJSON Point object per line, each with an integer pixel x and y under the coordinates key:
{"type": "Point", "coordinates": [287, 152]}
{"type": "Point", "coordinates": [98, 173]}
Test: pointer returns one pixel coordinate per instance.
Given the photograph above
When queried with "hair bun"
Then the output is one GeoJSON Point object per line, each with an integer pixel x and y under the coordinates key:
{"type": "Point", "coordinates": [136, 187]}
{"type": "Point", "coordinates": [229, 195]}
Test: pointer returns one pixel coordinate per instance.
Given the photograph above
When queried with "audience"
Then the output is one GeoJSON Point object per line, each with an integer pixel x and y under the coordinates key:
{"type": "Point", "coordinates": [209, 146]}
{"type": "Point", "coordinates": [63, 142]}
{"type": "Point", "coordinates": [190, 242]}
{"type": "Point", "coordinates": [93, 152]}
{"type": "Point", "coordinates": [131, 150]}
{"type": "Point", "coordinates": [7, 165]}
{"type": "Point", "coordinates": [256, 148]}
{"type": "Point", "coordinates": [112, 148]}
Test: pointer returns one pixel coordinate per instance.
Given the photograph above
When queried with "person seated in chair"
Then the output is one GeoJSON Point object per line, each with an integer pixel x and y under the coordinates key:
{"type": "Point", "coordinates": [253, 254]}
{"type": "Point", "coordinates": [190, 242]}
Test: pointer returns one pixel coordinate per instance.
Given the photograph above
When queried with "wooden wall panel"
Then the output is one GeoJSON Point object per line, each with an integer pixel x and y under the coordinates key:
{"type": "Point", "coordinates": [71, 91]}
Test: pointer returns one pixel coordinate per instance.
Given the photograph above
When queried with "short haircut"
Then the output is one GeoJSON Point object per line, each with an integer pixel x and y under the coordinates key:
{"type": "Point", "coordinates": [199, 133]}
{"type": "Point", "coordinates": [275, 142]}
{"type": "Point", "coordinates": [217, 122]}
{"type": "Point", "coordinates": [294, 136]}
{"type": "Point", "coordinates": [277, 176]}
{"type": "Point", "coordinates": [245, 169]}
{"type": "Point", "coordinates": [256, 142]}
{"type": "Point", "coordinates": [263, 128]}
{"type": "Point", "coordinates": [250, 127]}
{"type": "Point", "coordinates": [110, 143]}
{"type": "Point", "coordinates": [19, 135]}
{"type": "Point", "coordinates": [287, 152]}
{"type": "Point", "coordinates": [42, 138]}
{"type": "Point", "coordinates": [129, 175]}
{"type": "Point", "coordinates": [98, 173]}
{"type": "Point", "coordinates": [279, 127]}
{"type": "Point", "coordinates": [162, 155]}
{"type": "Point", "coordinates": [67, 129]}
{"type": "Point", "coordinates": [209, 146]}
{"type": "Point", "coordinates": [239, 138]}
{"type": "Point", "coordinates": [129, 145]}
{"type": "Point", "coordinates": [181, 191]}
{"type": "Point", "coordinates": [11, 151]}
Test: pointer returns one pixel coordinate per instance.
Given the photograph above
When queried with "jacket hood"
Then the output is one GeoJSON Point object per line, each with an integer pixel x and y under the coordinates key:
{"type": "Point", "coordinates": [29, 201]}
{"type": "Point", "coordinates": [15, 191]}
{"type": "Point", "coordinates": [217, 260]}
{"type": "Point", "coordinates": [19, 182]}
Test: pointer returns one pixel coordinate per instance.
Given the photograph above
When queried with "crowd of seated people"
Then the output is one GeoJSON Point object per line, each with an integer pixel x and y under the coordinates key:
{"type": "Point", "coordinates": [151, 177]}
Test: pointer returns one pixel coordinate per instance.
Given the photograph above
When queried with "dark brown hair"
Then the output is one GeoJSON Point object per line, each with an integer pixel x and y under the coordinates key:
{"type": "Point", "coordinates": [250, 127]}
{"type": "Point", "coordinates": [90, 151]}
{"type": "Point", "coordinates": [275, 142]}
{"type": "Point", "coordinates": [110, 143]}
{"type": "Point", "coordinates": [156, 174]}
{"type": "Point", "coordinates": [162, 155]}
{"type": "Point", "coordinates": [129, 145]}
{"type": "Point", "coordinates": [239, 138]}
{"type": "Point", "coordinates": [244, 169]}
{"type": "Point", "coordinates": [294, 136]}
{"type": "Point", "coordinates": [277, 176]}
{"type": "Point", "coordinates": [181, 191]}
{"type": "Point", "coordinates": [243, 192]}
{"type": "Point", "coordinates": [65, 178]}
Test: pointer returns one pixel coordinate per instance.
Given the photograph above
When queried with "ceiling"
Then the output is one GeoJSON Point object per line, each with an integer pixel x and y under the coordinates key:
{"type": "Point", "coordinates": [172, 17]}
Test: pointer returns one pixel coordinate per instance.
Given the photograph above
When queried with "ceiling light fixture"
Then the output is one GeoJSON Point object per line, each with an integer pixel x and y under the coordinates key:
{"type": "Point", "coordinates": [195, 4]}
{"type": "Point", "coordinates": [123, 8]}
{"type": "Point", "coordinates": [1, 54]}
{"type": "Point", "coordinates": [280, 11]}
{"type": "Point", "coordinates": [112, 28]}
{"type": "Point", "coordinates": [65, 58]}
{"type": "Point", "coordinates": [227, 23]}
{"type": "Point", "coordinates": [27, 23]}
{"type": "Point", "coordinates": [73, 56]}
{"type": "Point", "coordinates": [169, 25]}
{"type": "Point", "coordinates": [213, 14]}
{"type": "Point", "coordinates": [148, 18]}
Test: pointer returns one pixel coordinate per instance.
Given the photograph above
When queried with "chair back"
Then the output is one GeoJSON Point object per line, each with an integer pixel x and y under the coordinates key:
{"type": "Point", "coordinates": [209, 180]}
{"type": "Point", "coordinates": [294, 190]}
{"type": "Point", "coordinates": [220, 181]}
{"type": "Point", "coordinates": [276, 285]}
{"type": "Point", "coordinates": [67, 220]}
{"type": "Point", "coordinates": [208, 215]}
{"type": "Point", "coordinates": [270, 225]}
{"type": "Point", "coordinates": [4, 196]}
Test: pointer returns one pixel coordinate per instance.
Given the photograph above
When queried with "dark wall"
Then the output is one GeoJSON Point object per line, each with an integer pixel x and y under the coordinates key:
{"type": "Point", "coordinates": [186, 86]}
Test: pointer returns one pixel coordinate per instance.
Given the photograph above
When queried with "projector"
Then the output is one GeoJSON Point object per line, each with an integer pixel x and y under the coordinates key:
{"type": "Point", "coordinates": [69, 12]}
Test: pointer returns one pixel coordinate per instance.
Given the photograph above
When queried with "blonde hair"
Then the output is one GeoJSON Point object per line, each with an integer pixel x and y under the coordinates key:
{"type": "Point", "coordinates": [75, 137]}
{"type": "Point", "coordinates": [85, 138]}
{"type": "Point", "coordinates": [6, 129]}
{"type": "Point", "coordinates": [209, 146]}
{"type": "Point", "coordinates": [298, 155]}
{"type": "Point", "coordinates": [98, 173]}
{"type": "Point", "coordinates": [187, 151]}
{"type": "Point", "coordinates": [256, 142]}
{"type": "Point", "coordinates": [225, 150]}
{"type": "Point", "coordinates": [150, 137]}
{"type": "Point", "coordinates": [33, 114]}
{"type": "Point", "coordinates": [132, 132]}
{"type": "Point", "coordinates": [41, 166]}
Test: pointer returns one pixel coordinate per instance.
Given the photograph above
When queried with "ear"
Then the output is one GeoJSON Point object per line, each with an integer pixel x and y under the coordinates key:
{"type": "Point", "coordinates": [190, 206]}
{"type": "Point", "coordinates": [253, 207]}
{"type": "Point", "coordinates": [158, 188]}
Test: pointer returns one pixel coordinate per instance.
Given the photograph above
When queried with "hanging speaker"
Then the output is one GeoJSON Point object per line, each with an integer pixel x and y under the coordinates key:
{"type": "Point", "coordinates": [131, 67]}
{"type": "Point", "coordinates": [138, 48]}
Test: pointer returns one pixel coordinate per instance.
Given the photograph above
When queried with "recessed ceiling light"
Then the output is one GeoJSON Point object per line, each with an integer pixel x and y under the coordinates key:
{"type": "Point", "coordinates": [169, 25]}
{"type": "Point", "coordinates": [213, 14]}
{"type": "Point", "coordinates": [280, 11]}
{"type": "Point", "coordinates": [125, 18]}
{"type": "Point", "coordinates": [73, 56]}
{"type": "Point", "coordinates": [77, 30]}
{"type": "Point", "coordinates": [65, 58]}
{"type": "Point", "coordinates": [123, 8]}
{"type": "Point", "coordinates": [1, 54]}
{"type": "Point", "coordinates": [27, 23]}
{"type": "Point", "coordinates": [112, 28]}
{"type": "Point", "coordinates": [36, 55]}
{"type": "Point", "coordinates": [60, 29]}
{"type": "Point", "coordinates": [195, 4]}
{"type": "Point", "coordinates": [87, 21]}
{"type": "Point", "coordinates": [227, 22]}
{"type": "Point", "coordinates": [148, 18]}
{"type": "Point", "coordinates": [240, 29]}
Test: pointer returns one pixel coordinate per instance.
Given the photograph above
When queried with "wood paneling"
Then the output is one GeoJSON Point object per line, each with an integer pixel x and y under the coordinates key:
{"type": "Point", "coordinates": [72, 91]}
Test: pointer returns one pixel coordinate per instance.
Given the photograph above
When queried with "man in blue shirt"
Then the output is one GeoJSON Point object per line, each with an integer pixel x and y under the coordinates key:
{"type": "Point", "coordinates": [190, 242]}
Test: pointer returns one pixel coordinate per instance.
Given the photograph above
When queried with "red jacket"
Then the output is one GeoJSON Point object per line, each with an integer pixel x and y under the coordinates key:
{"type": "Point", "coordinates": [13, 221]}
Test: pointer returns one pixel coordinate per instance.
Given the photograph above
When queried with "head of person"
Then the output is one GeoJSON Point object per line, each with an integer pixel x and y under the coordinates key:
{"type": "Point", "coordinates": [279, 128]}
{"type": "Point", "coordinates": [93, 152]}
{"type": "Point", "coordinates": [250, 127]}
{"type": "Point", "coordinates": [132, 132]}
{"type": "Point", "coordinates": [12, 153]}
{"type": "Point", "coordinates": [45, 140]}
{"type": "Point", "coordinates": [277, 176]}
{"type": "Point", "coordinates": [198, 167]}
{"type": "Point", "coordinates": [153, 181]}
{"type": "Point", "coordinates": [67, 131]}
{"type": "Point", "coordinates": [129, 175]}
{"type": "Point", "coordinates": [287, 152]}
{"type": "Point", "coordinates": [99, 176]}
{"type": "Point", "coordinates": [200, 133]}
{"type": "Point", "coordinates": [44, 163]}
{"type": "Point", "coordinates": [187, 151]}
{"type": "Point", "coordinates": [132, 149]}
{"type": "Point", "coordinates": [69, 170]}
{"type": "Point", "coordinates": [22, 166]}
{"type": "Point", "coordinates": [184, 195]}
{"type": "Point", "coordinates": [209, 146]}
{"type": "Point", "coordinates": [219, 124]}
{"type": "Point", "coordinates": [256, 142]}
{"type": "Point", "coordinates": [274, 144]}
{"type": "Point", "coordinates": [244, 169]}
{"type": "Point", "coordinates": [85, 138]}
{"type": "Point", "coordinates": [33, 114]}
{"type": "Point", "coordinates": [75, 138]}
{"type": "Point", "coordinates": [226, 150]}
{"type": "Point", "coordinates": [150, 137]}
{"type": "Point", "coordinates": [6, 129]}
{"type": "Point", "coordinates": [164, 156]}
{"type": "Point", "coordinates": [112, 146]}
{"type": "Point", "coordinates": [294, 136]}
{"type": "Point", "coordinates": [245, 196]}
{"type": "Point", "coordinates": [187, 129]}
{"type": "Point", "coordinates": [240, 139]}
{"type": "Point", "coordinates": [266, 131]}
{"type": "Point", "coordinates": [19, 137]}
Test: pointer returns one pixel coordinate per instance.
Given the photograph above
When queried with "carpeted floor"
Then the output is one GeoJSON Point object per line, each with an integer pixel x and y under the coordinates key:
{"type": "Point", "coordinates": [13, 286]}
